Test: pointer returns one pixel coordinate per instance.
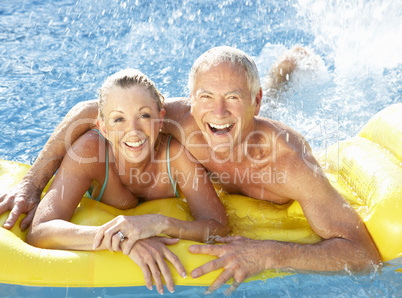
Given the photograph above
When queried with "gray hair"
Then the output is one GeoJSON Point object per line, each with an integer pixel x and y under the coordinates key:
{"type": "Point", "coordinates": [125, 79]}
{"type": "Point", "coordinates": [225, 54]}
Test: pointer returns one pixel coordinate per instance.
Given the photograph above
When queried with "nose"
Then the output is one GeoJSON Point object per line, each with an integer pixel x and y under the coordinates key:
{"type": "Point", "coordinates": [134, 125]}
{"type": "Point", "coordinates": [220, 109]}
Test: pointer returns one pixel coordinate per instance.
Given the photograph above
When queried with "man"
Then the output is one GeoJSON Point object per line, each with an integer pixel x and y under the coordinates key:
{"type": "Point", "coordinates": [222, 131]}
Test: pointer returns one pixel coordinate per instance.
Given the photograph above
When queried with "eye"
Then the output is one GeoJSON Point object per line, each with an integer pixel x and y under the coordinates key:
{"type": "Point", "coordinates": [233, 97]}
{"type": "Point", "coordinates": [145, 115]}
{"type": "Point", "coordinates": [205, 96]}
{"type": "Point", "coordinates": [119, 119]}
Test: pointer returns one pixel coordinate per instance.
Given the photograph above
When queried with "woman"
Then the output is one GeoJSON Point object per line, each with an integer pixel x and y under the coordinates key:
{"type": "Point", "coordinates": [130, 161]}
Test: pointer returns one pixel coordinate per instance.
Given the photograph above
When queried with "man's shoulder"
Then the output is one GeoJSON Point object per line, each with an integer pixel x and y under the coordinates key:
{"type": "Point", "coordinates": [277, 129]}
{"type": "Point", "coordinates": [177, 106]}
{"type": "Point", "coordinates": [177, 109]}
{"type": "Point", "coordinates": [285, 141]}
{"type": "Point", "coordinates": [178, 120]}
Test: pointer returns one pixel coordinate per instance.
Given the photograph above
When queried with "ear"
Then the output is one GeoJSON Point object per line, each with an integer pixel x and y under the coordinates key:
{"type": "Point", "coordinates": [162, 114]}
{"type": "Point", "coordinates": [257, 101]}
{"type": "Point", "coordinates": [102, 127]}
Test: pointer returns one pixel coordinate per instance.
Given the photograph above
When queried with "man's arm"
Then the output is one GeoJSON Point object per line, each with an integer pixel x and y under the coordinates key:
{"type": "Point", "coordinates": [346, 246]}
{"type": "Point", "coordinates": [25, 196]}
{"type": "Point", "coordinates": [350, 250]}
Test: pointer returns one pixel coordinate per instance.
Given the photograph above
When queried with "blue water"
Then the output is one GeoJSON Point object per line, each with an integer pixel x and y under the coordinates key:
{"type": "Point", "coordinates": [54, 54]}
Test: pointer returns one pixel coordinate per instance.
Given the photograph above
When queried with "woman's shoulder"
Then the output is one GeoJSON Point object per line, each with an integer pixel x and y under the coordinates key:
{"type": "Point", "coordinates": [177, 153]}
{"type": "Point", "coordinates": [89, 145]}
{"type": "Point", "coordinates": [86, 157]}
{"type": "Point", "coordinates": [169, 142]}
{"type": "Point", "coordinates": [168, 146]}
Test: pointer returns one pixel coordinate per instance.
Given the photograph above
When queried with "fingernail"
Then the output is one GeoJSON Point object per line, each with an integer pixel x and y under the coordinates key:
{"type": "Point", "coordinates": [184, 275]}
{"type": "Point", "coordinates": [149, 288]}
{"type": "Point", "coordinates": [207, 292]}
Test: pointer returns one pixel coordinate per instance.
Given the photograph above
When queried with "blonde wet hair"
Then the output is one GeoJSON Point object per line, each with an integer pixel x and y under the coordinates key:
{"type": "Point", "coordinates": [125, 79]}
{"type": "Point", "coordinates": [234, 57]}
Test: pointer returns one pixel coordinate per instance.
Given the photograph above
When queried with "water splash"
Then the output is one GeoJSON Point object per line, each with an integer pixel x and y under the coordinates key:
{"type": "Point", "coordinates": [360, 45]}
{"type": "Point", "coordinates": [359, 36]}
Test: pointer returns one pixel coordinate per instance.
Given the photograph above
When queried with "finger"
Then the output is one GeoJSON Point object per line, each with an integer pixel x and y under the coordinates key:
{"type": "Point", "coordinates": [157, 277]}
{"type": "Point", "coordinates": [105, 231]}
{"type": "Point", "coordinates": [129, 245]}
{"type": "Point", "coordinates": [220, 281]}
{"type": "Point", "coordinates": [164, 269]}
{"type": "Point", "coordinates": [116, 242]}
{"type": "Point", "coordinates": [27, 220]}
{"type": "Point", "coordinates": [208, 267]}
{"type": "Point", "coordinates": [108, 237]}
{"type": "Point", "coordinates": [147, 275]}
{"type": "Point", "coordinates": [175, 261]}
{"type": "Point", "coordinates": [4, 206]}
{"type": "Point", "coordinates": [233, 287]}
{"type": "Point", "coordinates": [13, 217]}
{"type": "Point", "coordinates": [169, 241]}
{"type": "Point", "coordinates": [98, 238]}
{"type": "Point", "coordinates": [205, 249]}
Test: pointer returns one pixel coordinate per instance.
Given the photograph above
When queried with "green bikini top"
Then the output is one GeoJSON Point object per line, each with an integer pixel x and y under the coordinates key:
{"type": "Point", "coordinates": [107, 170]}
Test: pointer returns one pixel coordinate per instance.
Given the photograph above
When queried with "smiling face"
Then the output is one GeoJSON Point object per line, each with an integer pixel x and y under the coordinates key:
{"type": "Point", "coordinates": [222, 106]}
{"type": "Point", "coordinates": [131, 122]}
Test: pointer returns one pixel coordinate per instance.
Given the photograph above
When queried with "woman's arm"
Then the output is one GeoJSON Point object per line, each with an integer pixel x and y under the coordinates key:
{"type": "Point", "coordinates": [51, 227]}
{"type": "Point", "coordinates": [210, 218]}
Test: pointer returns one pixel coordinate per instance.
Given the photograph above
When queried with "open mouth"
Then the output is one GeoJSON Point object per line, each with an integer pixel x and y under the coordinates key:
{"type": "Point", "coordinates": [221, 129]}
{"type": "Point", "coordinates": [135, 145]}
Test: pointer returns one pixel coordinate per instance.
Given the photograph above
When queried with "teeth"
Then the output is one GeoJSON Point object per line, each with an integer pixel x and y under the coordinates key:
{"type": "Point", "coordinates": [223, 126]}
{"type": "Point", "coordinates": [135, 144]}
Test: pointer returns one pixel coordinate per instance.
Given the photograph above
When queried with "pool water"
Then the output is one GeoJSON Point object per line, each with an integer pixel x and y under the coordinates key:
{"type": "Point", "coordinates": [54, 54]}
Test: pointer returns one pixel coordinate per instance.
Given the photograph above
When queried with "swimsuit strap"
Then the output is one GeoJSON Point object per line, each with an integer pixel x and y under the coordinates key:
{"type": "Point", "coordinates": [107, 167]}
{"type": "Point", "coordinates": [168, 166]}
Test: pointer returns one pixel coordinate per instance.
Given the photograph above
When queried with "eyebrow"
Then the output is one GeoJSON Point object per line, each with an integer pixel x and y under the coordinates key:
{"type": "Point", "coordinates": [236, 92]}
{"type": "Point", "coordinates": [202, 91]}
{"type": "Point", "coordinates": [144, 107]}
{"type": "Point", "coordinates": [119, 111]}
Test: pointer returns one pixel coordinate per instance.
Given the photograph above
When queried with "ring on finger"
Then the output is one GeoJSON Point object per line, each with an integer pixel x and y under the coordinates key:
{"type": "Point", "coordinates": [121, 236]}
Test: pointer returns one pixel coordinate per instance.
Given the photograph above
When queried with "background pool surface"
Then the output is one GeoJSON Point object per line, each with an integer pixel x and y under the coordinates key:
{"type": "Point", "coordinates": [54, 54]}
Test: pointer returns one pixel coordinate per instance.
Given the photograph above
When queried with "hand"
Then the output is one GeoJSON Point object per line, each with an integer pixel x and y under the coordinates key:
{"type": "Point", "coordinates": [22, 198]}
{"type": "Point", "coordinates": [133, 227]}
{"type": "Point", "coordinates": [240, 257]}
{"type": "Point", "coordinates": [150, 255]}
